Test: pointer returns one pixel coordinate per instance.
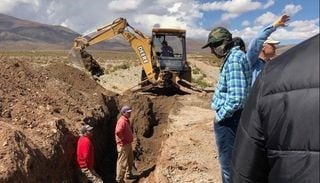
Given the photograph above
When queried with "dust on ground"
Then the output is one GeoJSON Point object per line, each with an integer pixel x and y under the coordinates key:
{"type": "Point", "coordinates": [44, 103]}
{"type": "Point", "coordinates": [188, 154]}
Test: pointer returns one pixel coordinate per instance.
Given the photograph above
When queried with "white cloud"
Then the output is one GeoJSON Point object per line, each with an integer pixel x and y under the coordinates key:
{"type": "Point", "coordinates": [175, 8]}
{"type": "Point", "coordinates": [245, 23]}
{"type": "Point", "coordinates": [228, 16]}
{"type": "Point", "coordinates": [266, 18]}
{"type": "Point", "coordinates": [124, 5]}
{"type": "Point", "coordinates": [84, 16]}
{"type": "Point", "coordinates": [291, 9]}
{"type": "Point", "coordinates": [286, 35]}
{"type": "Point", "coordinates": [296, 31]}
{"type": "Point", "coordinates": [247, 33]}
{"type": "Point", "coordinates": [80, 16]}
{"type": "Point", "coordinates": [166, 2]}
{"type": "Point", "coordinates": [164, 21]}
{"type": "Point", "coordinates": [268, 4]}
{"type": "Point", "coordinates": [234, 6]}
{"type": "Point", "coordinates": [308, 26]}
{"type": "Point", "coordinates": [187, 17]}
{"type": "Point", "coordinates": [8, 5]}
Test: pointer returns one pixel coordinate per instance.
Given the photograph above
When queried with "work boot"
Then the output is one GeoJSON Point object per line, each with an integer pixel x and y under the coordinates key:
{"type": "Point", "coordinates": [130, 176]}
{"type": "Point", "coordinates": [120, 181]}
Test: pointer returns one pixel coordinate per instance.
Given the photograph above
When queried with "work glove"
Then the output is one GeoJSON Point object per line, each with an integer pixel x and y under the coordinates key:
{"type": "Point", "coordinates": [281, 21]}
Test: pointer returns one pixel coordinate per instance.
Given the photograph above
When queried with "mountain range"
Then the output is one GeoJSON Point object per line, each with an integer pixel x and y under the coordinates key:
{"type": "Point", "coordinates": [19, 34]}
{"type": "Point", "coordinates": [24, 34]}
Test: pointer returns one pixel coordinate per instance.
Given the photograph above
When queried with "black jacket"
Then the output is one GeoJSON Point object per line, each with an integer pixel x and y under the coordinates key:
{"type": "Point", "coordinates": [278, 134]}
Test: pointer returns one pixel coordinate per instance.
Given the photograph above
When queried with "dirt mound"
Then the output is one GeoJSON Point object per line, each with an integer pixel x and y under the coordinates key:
{"type": "Point", "coordinates": [41, 110]}
{"type": "Point", "coordinates": [42, 106]}
{"type": "Point", "coordinates": [43, 103]}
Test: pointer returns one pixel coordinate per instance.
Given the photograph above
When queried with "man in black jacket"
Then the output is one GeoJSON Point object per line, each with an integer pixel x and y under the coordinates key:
{"type": "Point", "coordinates": [278, 134]}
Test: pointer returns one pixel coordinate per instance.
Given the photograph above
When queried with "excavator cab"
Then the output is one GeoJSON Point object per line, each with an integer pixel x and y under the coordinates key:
{"type": "Point", "coordinates": [170, 48]}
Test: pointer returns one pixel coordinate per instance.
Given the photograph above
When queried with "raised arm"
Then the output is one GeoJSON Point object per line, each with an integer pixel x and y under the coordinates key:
{"type": "Point", "coordinates": [256, 43]}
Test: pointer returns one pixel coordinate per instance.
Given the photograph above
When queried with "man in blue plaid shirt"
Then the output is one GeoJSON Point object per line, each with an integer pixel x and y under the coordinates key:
{"type": "Point", "coordinates": [230, 94]}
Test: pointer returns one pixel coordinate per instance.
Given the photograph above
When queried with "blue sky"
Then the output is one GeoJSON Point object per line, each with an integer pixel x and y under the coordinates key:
{"type": "Point", "coordinates": [242, 17]}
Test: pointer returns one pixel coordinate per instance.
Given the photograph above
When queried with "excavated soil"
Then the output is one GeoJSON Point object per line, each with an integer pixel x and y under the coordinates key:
{"type": "Point", "coordinates": [44, 103]}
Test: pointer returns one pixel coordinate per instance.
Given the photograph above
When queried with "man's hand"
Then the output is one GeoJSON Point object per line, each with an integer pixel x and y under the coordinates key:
{"type": "Point", "coordinates": [281, 21]}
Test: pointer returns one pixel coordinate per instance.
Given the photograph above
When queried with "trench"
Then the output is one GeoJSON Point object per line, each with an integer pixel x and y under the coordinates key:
{"type": "Point", "coordinates": [42, 110]}
{"type": "Point", "coordinates": [149, 119]}
{"type": "Point", "coordinates": [42, 107]}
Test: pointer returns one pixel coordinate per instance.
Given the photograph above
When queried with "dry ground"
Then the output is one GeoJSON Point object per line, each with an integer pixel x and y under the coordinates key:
{"type": "Point", "coordinates": [188, 153]}
{"type": "Point", "coordinates": [44, 101]}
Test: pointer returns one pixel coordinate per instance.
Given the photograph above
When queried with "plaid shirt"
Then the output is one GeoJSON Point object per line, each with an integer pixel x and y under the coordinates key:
{"type": "Point", "coordinates": [233, 86]}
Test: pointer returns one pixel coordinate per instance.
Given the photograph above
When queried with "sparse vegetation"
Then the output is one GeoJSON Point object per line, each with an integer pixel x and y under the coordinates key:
{"type": "Point", "coordinates": [114, 55]}
{"type": "Point", "coordinates": [195, 70]}
{"type": "Point", "coordinates": [121, 66]}
{"type": "Point", "coordinates": [38, 53]}
{"type": "Point", "coordinates": [200, 82]}
{"type": "Point", "coordinates": [207, 58]}
{"type": "Point", "coordinates": [199, 78]}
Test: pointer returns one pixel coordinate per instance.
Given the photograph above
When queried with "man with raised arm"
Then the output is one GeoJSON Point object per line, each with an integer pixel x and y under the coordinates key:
{"type": "Point", "coordinates": [262, 47]}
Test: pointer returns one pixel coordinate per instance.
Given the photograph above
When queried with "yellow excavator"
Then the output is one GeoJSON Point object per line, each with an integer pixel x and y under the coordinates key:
{"type": "Point", "coordinates": [163, 57]}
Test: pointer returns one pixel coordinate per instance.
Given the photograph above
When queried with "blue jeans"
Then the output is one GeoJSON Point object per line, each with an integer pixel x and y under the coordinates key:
{"type": "Point", "coordinates": [225, 134]}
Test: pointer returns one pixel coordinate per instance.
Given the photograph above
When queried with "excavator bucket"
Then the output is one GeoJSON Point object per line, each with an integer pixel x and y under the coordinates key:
{"type": "Point", "coordinates": [82, 60]}
{"type": "Point", "coordinates": [75, 59]}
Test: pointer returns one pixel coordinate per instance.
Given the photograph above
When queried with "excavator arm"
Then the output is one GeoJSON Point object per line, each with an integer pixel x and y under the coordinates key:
{"type": "Point", "coordinates": [156, 74]}
{"type": "Point", "coordinates": [139, 42]}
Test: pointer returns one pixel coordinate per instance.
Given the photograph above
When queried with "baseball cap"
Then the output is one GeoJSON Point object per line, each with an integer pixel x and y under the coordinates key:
{"type": "Point", "coordinates": [86, 128]}
{"type": "Point", "coordinates": [271, 41]}
{"type": "Point", "coordinates": [126, 109]}
{"type": "Point", "coordinates": [217, 36]}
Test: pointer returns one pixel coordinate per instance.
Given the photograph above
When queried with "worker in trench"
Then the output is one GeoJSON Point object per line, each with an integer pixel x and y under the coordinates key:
{"type": "Point", "coordinates": [124, 139]}
{"type": "Point", "coordinates": [85, 156]}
